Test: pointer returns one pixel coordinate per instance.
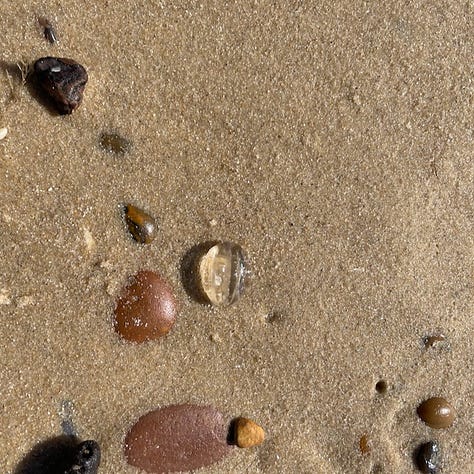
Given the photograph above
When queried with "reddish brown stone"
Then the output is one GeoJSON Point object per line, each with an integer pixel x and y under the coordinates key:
{"type": "Point", "coordinates": [177, 438]}
{"type": "Point", "coordinates": [437, 413]}
{"type": "Point", "coordinates": [146, 308]}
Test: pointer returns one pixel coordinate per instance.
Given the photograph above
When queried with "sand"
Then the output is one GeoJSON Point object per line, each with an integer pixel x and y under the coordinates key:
{"type": "Point", "coordinates": [333, 143]}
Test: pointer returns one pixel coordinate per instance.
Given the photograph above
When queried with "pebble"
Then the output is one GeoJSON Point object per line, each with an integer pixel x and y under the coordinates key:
{"type": "Point", "coordinates": [87, 458]}
{"type": "Point", "coordinates": [48, 30]}
{"type": "Point", "coordinates": [3, 132]}
{"type": "Point", "coordinates": [140, 224]}
{"type": "Point", "coordinates": [177, 438]}
{"type": "Point", "coordinates": [146, 308]}
{"type": "Point", "coordinates": [428, 458]}
{"type": "Point", "coordinates": [437, 413]}
{"type": "Point", "coordinates": [222, 272]}
{"type": "Point", "coordinates": [114, 143]}
{"type": "Point", "coordinates": [63, 80]}
{"type": "Point", "coordinates": [247, 433]}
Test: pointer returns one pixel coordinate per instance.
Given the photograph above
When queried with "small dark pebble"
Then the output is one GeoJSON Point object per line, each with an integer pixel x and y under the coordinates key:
{"type": "Point", "coordinates": [86, 459]}
{"type": "Point", "coordinates": [140, 224]}
{"type": "Point", "coordinates": [63, 80]}
{"type": "Point", "coordinates": [114, 143]}
{"type": "Point", "coordinates": [48, 30]}
{"type": "Point", "coordinates": [428, 458]}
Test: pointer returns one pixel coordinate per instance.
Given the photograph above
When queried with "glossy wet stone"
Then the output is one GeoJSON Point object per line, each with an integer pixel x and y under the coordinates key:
{"type": "Point", "coordinates": [63, 80]}
{"type": "Point", "coordinates": [177, 438]}
{"type": "Point", "coordinates": [86, 459]}
{"type": "Point", "coordinates": [428, 458]}
{"type": "Point", "coordinates": [146, 308]}
{"type": "Point", "coordinates": [222, 272]}
{"type": "Point", "coordinates": [114, 143]}
{"type": "Point", "coordinates": [247, 433]}
{"type": "Point", "coordinates": [437, 413]}
{"type": "Point", "coordinates": [141, 225]}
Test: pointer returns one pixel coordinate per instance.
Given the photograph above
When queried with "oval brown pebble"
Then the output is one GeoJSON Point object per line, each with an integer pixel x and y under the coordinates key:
{"type": "Point", "coordinates": [140, 224]}
{"type": "Point", "coordinates": [437, 413]}
{"type": "Point", "coordinates": [63, 80]}
{"type": "Point", "coordinates": [177, 438]}
{"type": "Point", "coordinates": [146, 308]}
{"type": "Point", "coordinates": [247, 433]}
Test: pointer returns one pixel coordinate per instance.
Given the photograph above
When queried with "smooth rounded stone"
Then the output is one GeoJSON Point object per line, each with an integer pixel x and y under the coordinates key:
{"type": "Point", "coordinates": [222, 272]}
{"type": "Point", "coordinates": [114, 143]}
{"type": "Point", "coordinates": [140, 224]}
{"type": "Point", "coordinates": [87, 458]}
{"type": "Point", "coordinates": [428, 458]}
{"type": "Point", "coordinates": [146, 308]}
{"type": "Point", "coordinates": [247, 433]}
{"type": "Point", "coordinates": [177, 438]}
{"type": "Point", "coordinates": [437, 413]}
{"type": "Point", "coordinates": [63, 80]}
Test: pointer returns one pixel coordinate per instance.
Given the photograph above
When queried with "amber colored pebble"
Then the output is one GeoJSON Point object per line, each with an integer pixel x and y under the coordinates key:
{"type": "Point", "coordinates": [364, 444]}
{"type": "Point", "coordinates": [177, 438]}
{"type": "Point", "coordinates": [437, 413]}
{"type": "Point", "coordinates": [247, 433]}
{"type": "Point", "coordinates": [114, 143]}
{"type": "Point", "coordinates": [140, 224]}
{"type": "Point", "coordinates": [63, 80]}
{"type": "Point", "coordinates": [146, 308]}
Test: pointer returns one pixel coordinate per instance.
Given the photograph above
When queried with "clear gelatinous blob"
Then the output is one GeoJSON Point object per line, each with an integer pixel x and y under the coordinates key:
{"type": "Point", "coordinates": [222, 272]}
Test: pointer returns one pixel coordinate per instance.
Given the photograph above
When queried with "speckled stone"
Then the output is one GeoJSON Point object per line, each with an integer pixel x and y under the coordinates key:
{"type": "Point", "coordinates": [177, 438]}
{"type": "Point", "coordinates": [146, 308]}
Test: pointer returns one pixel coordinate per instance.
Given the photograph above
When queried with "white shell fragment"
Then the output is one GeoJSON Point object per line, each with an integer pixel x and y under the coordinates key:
{"type": "Point", "coordinates": [3, 132]}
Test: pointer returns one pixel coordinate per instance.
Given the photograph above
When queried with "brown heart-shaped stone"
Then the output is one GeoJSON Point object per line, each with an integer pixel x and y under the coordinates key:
{"type": "Point", "coordinates": [63, 80]}
{"type": "Point", "coordinates": [146, 308]}
{"type": "Point", "coordinates": [177, 438]}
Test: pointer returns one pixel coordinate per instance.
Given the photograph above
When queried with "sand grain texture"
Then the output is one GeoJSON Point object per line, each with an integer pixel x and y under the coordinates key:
{"type": "Point", "coordinates": [333, 143]}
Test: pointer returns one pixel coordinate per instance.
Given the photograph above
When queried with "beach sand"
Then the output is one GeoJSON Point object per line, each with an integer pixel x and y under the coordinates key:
{"type": "Point", "coordinates": [333, 143]}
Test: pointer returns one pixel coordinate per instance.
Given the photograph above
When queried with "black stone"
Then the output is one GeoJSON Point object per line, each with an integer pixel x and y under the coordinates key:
{"type": "Point", "coordinates": [62, 80]}
{"type": "Point", "coordinates": [428, 458]}
{"type": "Point", "coordinates": [86, 459]}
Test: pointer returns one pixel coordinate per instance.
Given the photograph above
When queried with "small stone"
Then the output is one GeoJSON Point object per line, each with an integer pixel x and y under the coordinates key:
{"type": "Point", "coordinates": [86, 459]}
{"type": "Point", "coordinates": [140, 224]}
{"type": "Point", "coordinates": [63, 80]}
{"type": "Point", "coordinates": [177, 438]}
{"type": "Point", "coordinates": [48, 30]}
{"type": "Point", "coordinates": [437, 413]}
{"type": "Point", "coordinates": [428, 458]}
{"type": "Point", "coordinates": [364, 444]}
{"type": "Point", "coordinates": [222, 272]}
{"type": "Point", "coordinates": [146, 308]}
{"type": "Point", "coordinates": [114, 143]}
{"type": "Point", "coordinates": [247, 433]}
{"type": "Point", "coordinates": [3, 132]}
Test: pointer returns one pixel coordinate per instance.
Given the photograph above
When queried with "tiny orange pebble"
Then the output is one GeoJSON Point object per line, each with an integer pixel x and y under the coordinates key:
{"type": "Point", "coordinates": [247, 433]}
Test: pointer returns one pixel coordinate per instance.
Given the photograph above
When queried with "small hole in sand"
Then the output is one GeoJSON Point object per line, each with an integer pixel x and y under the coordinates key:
{"type": "Point", "coordinates": [381, 387]}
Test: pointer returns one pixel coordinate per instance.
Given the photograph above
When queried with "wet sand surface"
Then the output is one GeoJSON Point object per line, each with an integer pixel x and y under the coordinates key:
{"type": "Point", "coordinates": [333, 143]}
